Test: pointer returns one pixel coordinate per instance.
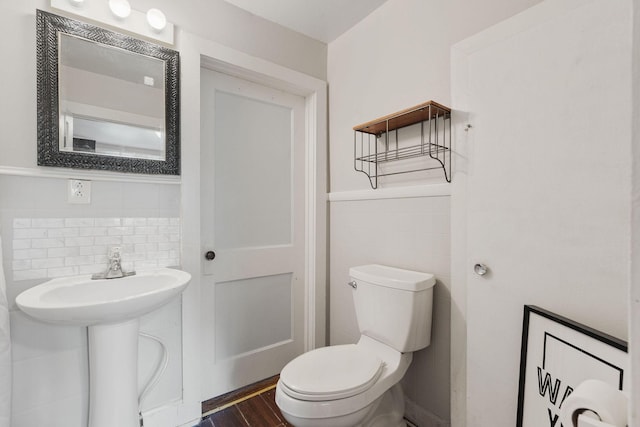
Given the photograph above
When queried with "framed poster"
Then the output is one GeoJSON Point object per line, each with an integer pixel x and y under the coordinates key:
{"type": "Point", "coordinates": [557, 354]}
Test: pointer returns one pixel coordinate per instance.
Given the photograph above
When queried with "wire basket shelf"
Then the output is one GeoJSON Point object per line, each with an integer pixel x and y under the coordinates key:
{"type": "Point", "coordinates": [374, 147]}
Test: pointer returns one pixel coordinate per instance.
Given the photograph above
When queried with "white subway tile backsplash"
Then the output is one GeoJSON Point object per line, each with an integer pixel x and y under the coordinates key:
{"type": "Point", "coordinates": [47, 263]}
{"type": "Point", "coordinates": [21, 264]}
{"type": "Point", "coordinates": [92, 231]}
{"type": "Point", "coordinates": [47, 243]}
{"type": "Point", "coordinates": [63, 232]}
{"type": "Point", "coordinates": [78, 222]}
{"type": "Point", "coordinates": [138, 222]}
{"type": "Point", "coordinates": [30, 274]}
{"type": "Point", "coordinates": [63, 252]}
{"type": "Point", "coordinates": [80, 260]}
{"type": "Point", "coordinates": [169, 229]}
{"type": "Point", "coordinates": [108, 240]}
{"type": "Point", "coordinates": [158, 238]}
{"type": "Point", "coordinates": [56, 247]}
{"type": "Point", "coordinates": [141, 265]}
{"type": "Point", "coordinates": [29, 253]}
{"type": "Point", "coordinates": [21, 223]}
{"type": "Point", "coordinates": [62, 271]}
{"type": "Point", "coordinates": [22, 244]}
{"type": "Point", "coordinates": [145, 247]}
{"type": "Point", "coordinates": [93, 250]}
{"type": "Point", "coordinates": [146, 230]}
{"type": "Point", "coordinates": [168, 246]}
{"type": "Point", "coordinates": [47, 222]}
{"type": "Point", "coordinates": [171, 262]}
{"type": "Point", "coordinates": [78, 241]}
{"type": "Point", "coordinates": [120, 231]}
{"type": "Point", "coordinates": [29, 233]}
{"type": "Point", "coordinates": [108, 222]}
{"type": "Point", "coordinates": [134, 239]}
{"type": "Point", "coordinates": [158, 255]}
{"type": "Point", "coordinates": [158, 221]}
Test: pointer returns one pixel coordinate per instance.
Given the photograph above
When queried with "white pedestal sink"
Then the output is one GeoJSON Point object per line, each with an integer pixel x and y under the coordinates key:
{"type": "Point", "coordinates": [110, 308]}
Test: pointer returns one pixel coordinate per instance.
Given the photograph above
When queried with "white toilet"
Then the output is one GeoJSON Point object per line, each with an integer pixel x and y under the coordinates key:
{"type": "Point", "coordinates": [358, 384]}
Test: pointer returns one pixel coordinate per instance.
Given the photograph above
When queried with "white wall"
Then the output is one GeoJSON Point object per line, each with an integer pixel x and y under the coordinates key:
{"type": "Point", "coordinates": [214, 20]}
{"type": "Point", "coordinates": [58, 396]}
{"type": "Point", "coordinates": [553, 225]}
{"type": "Point", "coordinates": [399, 56]}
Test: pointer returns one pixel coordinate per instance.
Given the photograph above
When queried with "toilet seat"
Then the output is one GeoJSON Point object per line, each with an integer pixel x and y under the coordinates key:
{"type": "Point", "coordinates": [331, 373]}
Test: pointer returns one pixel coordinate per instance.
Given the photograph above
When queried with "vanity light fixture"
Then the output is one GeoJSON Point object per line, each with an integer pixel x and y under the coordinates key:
{"type": "Point", "coordinates": [156, 19]}
{"type": "Point", "coordinates": [120, 15]}
{"type": "Point", "coordinates": [120, 8]}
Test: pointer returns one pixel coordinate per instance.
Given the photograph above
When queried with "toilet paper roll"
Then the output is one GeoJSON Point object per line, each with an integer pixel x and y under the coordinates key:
{"type": "Point", "coordinates": [586, 421]}
{"type": "Point", "coordinates": [608, 404]}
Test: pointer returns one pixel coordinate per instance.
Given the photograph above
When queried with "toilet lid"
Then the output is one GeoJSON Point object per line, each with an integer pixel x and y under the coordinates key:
{"type": "Point", "coordinates": [331, 373]}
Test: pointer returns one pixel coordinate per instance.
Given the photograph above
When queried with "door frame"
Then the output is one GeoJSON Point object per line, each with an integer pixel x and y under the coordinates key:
{"type": "Point", "coordinates": [197, 52]}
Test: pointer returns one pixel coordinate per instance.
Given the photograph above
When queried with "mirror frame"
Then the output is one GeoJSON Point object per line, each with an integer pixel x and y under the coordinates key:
{"type": "Point", "coordinates": [48, 27]}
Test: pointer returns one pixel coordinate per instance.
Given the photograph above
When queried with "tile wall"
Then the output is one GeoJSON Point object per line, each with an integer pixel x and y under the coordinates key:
{"type": "Point", "coordinates": [43, 236]}
{"type": "Point", "coordinates": [56, 247]}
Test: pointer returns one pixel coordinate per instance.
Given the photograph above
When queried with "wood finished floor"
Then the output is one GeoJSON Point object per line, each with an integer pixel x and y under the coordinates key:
{"type": "Point", "coordinates": [251, 406]}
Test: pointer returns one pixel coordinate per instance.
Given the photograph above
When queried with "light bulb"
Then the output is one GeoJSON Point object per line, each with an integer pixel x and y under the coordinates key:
{"type": "Point", "coordinates": [120, 8]}
{"type": "Point", "coordinates": [156, 19]}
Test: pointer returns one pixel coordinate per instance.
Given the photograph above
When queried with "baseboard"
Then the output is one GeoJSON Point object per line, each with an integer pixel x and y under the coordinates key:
{"type": "Point", "coordinates": [420, 417]}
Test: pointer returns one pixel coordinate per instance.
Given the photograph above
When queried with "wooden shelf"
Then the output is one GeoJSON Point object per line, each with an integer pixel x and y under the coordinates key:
{"type": "Point", "coordinates": [372, 146]}
{"type": "Point", "coordinates": [407, 117]}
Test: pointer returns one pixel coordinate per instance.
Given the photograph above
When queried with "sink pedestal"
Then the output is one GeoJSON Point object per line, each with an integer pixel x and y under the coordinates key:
{"type": "Point", "coordinates": [107, 307]}
{"type": "Point", "coordinates": [113, 374]}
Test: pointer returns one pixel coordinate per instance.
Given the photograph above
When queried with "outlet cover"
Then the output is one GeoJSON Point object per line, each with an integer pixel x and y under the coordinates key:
{"type": "Point", "coordinates": [79, 191]}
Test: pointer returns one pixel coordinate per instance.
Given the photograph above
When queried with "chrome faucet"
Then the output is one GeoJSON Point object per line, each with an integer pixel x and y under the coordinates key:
{"type": "Point", "coordinates": [114, 270]}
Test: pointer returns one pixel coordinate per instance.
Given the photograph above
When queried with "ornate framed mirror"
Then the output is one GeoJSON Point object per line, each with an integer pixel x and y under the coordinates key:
{"type": "Point", "coordinates": [106, 100]}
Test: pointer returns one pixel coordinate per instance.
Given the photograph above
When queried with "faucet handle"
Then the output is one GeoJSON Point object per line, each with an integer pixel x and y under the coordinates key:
{"type": "Point", "coordinates": [114, 252]}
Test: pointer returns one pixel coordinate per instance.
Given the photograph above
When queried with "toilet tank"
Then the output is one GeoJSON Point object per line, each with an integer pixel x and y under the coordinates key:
{"type": "Point", "coordinates": [394, 306]}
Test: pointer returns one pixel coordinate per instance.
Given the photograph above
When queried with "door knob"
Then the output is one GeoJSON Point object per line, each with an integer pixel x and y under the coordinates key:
{"type": "Point", "coordinates": [480, 269]}
{"type": "Point", "coordinates": [353, 284]}
{"type": "Point", "coordinates": [210, 255]}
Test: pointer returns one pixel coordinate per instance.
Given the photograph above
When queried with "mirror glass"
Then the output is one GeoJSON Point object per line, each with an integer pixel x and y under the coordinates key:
{"type": "Point", "coordinates": [111, 101]}
{"type": "Point", "coordinates": [105, 100]}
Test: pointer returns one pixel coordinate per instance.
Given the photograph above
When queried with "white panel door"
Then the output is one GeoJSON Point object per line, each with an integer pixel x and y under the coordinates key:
{"type": "Point", "coordinates": [253, 220]}
{"type": "Point", "coordinates": [547, 189]}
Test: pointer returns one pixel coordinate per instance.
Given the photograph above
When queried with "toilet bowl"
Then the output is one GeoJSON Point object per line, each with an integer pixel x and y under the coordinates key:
{"type": "Point", "coordinates": [358, 384]}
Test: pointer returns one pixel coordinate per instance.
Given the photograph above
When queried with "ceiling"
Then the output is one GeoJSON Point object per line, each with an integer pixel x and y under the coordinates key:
{"type": "Point", "coordinates": [322, 20]}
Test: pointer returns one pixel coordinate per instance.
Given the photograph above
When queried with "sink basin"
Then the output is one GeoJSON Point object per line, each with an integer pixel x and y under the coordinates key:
{"type": "Point", "coordinates": [80, 301]}
{"type": "Point", "coordinates": [110, 309]}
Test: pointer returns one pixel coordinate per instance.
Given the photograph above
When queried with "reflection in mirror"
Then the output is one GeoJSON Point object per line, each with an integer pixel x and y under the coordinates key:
{"type": "Point", "coordinates": [111, 101]}
{"type": "Point", "coordinates": [105, 100]}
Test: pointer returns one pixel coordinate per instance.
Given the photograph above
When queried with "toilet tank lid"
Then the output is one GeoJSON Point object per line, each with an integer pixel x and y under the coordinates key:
{"type": "Point", "coordinates": [392, 277]}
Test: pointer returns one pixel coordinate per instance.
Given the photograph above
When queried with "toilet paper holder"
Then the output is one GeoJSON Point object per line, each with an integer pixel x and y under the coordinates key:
{"type": "Point", "coordinates": [586, 420]}
{"type": "Point", "coordinates": [595, 403]}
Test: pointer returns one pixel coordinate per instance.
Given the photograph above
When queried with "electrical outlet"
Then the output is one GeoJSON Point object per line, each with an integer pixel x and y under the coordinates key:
{"type": "Point", "coordinates": [79, 191]}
